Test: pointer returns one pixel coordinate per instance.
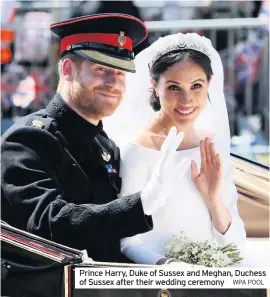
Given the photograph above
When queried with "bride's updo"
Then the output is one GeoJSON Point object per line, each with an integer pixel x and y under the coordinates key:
{"type": "Point", "coordinates": [168, 60]}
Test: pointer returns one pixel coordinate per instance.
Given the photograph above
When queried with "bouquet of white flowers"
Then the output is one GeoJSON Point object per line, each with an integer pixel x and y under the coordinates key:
{"type": "Point", "coordinates": [202, 253]}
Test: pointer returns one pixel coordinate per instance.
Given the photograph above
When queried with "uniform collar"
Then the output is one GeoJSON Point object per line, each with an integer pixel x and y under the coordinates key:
{"type": "Point", "coordinates": [69, 120]}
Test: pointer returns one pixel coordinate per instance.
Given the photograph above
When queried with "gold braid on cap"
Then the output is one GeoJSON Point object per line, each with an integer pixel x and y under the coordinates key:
{"type": "Point", "coordinates": [99, 57]}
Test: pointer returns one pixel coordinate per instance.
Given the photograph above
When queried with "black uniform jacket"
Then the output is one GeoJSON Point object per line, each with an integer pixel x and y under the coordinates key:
{"type": "Point", "coordinates": [60, 180]}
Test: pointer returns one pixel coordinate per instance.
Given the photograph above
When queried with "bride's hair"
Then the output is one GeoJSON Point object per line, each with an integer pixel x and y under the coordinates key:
{"type": "Point", "coordinates": [168, 60]}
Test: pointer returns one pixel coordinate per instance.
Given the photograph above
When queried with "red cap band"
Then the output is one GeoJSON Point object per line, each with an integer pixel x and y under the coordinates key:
{"type": "Point", "coordinates": [119, 40]}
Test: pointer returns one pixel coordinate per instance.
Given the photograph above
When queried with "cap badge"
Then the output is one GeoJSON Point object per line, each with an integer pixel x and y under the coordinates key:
{"type": "Point", "coordinates": [121, 39]}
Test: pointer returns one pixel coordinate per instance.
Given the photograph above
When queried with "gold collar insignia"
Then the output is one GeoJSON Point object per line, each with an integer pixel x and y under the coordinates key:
{"type": "Point", "coordinates": [106, 157]}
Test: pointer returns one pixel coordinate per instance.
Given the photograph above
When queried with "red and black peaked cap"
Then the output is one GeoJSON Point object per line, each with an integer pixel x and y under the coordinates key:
{"type": "Point", "coordinates": [106, 39]}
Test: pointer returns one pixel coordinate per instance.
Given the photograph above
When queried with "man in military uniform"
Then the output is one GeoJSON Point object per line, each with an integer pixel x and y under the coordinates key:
{"type": "Point", "coordinates": [60, 171]}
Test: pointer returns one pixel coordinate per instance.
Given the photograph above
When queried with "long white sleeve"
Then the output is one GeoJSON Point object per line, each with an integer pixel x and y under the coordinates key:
{"type": "Point", "coordinates": [133, 248]}
{"type": "Point", "coordinates": [236, 233]}
{"type": "Point", "coordinates": [133, 170]}
{"type": "Point", "coordinates": [135, 173]}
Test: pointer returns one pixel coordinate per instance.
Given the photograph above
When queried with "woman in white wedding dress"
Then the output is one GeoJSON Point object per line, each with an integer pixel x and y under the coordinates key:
{"type": "Point", "coordinates": [185, 75]}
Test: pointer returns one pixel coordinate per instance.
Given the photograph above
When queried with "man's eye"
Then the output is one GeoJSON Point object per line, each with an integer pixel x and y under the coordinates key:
{"type": "Point", "coordinates": [173, 88]}
{"type": "Point", "coordinates": [101, 69]}
{"type": "Point", "coordinates": [196, 86]}
{"type": "Point", "coordinates": [120, 73]}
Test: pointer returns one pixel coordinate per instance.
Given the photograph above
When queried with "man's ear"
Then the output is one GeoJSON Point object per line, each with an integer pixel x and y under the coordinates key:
{"type": "Point", "coordinates": [68, 69]}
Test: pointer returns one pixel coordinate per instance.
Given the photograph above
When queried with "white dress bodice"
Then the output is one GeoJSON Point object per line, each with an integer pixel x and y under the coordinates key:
{"type": "Point", "coordinates": [185, 209]}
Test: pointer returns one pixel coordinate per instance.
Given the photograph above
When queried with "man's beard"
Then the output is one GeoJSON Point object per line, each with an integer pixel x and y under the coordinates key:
{"type": "Point", "coordinates": [90, 106]}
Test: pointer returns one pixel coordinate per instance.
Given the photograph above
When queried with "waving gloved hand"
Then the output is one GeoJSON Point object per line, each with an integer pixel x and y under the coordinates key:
{"type": "Point", "coordinates": [158, 189]}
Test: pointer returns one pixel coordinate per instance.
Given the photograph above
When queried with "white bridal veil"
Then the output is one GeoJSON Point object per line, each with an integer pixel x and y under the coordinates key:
{"type": "Point", "coordinates": [135, 111]}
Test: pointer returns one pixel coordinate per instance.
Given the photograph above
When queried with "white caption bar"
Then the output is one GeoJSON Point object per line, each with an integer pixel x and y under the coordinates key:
{"type": "Point", "coordinates": [227, 278]}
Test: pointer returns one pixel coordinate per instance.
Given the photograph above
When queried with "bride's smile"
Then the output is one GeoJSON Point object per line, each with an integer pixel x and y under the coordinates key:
{"type": "Point", "coordinates": [185, 113]}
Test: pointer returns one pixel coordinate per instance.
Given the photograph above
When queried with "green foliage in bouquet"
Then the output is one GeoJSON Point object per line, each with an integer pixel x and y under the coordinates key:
{"type": "Point", "coordinates": [202, 253]}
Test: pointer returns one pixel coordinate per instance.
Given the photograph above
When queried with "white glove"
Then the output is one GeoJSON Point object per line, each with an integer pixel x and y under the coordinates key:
{"type": "Point", "coordinates": [159, 187]}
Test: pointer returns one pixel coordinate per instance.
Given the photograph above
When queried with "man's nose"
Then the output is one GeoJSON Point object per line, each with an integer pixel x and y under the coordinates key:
{"type": "Point", "coordinates": [111, 79]}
